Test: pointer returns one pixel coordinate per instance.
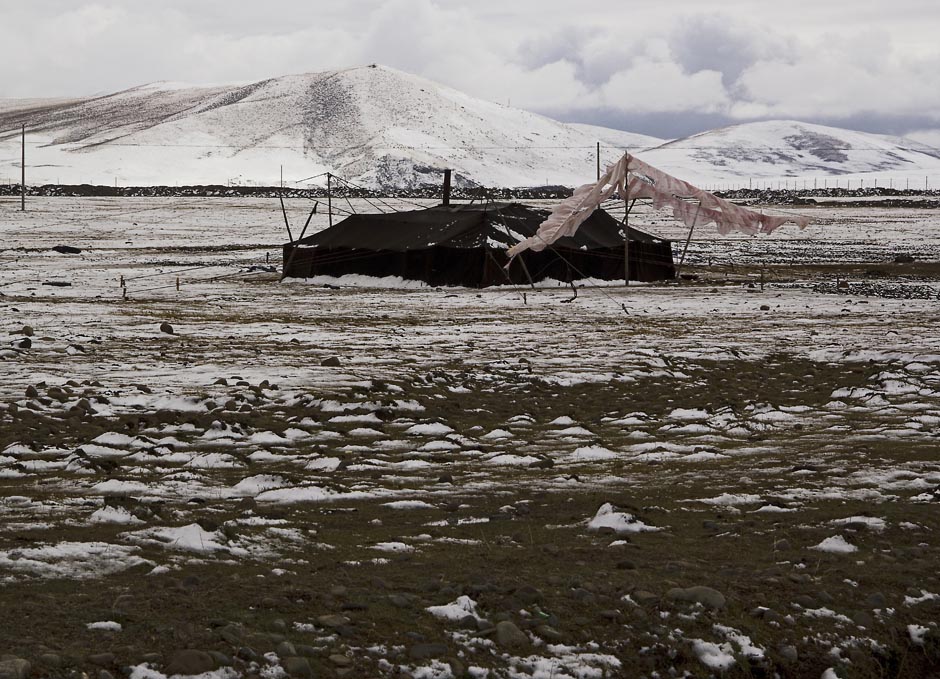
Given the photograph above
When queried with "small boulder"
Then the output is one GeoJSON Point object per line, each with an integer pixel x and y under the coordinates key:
{"type": "Point", "coordinates": [190, 662]}
{"type": "Point", "coordinates": [66, 250]}
{"type": "Point", "coordinates": [295, 666]}
{"type": "Point", "coordinates": [510, 636]}
{"type": "Point", "coordinates": [331, 362]}
{"type": "Point", "coordinates": [14, 668]}
{"type": "Point", "coordinates": [706, 596]}
{"type": "Point", "coordinates": [167, 328]}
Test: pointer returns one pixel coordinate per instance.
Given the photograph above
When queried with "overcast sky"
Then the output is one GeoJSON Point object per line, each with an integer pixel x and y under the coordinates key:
{"type": "Point", "coordinates": [662, 67]}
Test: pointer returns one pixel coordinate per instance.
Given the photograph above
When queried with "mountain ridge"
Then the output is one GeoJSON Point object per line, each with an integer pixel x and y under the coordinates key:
{"type": "Point", "coordinates": [384, 128]}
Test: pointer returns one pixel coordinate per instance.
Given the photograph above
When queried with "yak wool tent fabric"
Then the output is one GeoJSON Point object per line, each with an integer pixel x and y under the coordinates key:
{"type": "Point", "coordinates": [466, 245]}
{"type": "Point", "coordinates": [632, 179]}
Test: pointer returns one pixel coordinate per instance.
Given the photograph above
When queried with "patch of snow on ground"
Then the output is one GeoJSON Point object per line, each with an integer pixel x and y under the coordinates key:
{"type": "Point", "coordinates": [456, 610]}
{"type": "Point", "coordinates": [836, 545]}
{"type": "Point", "coordinates": [714, 656]}
{"type": "Point", "coordinates": [114, 515]}
{"type": "Point", "coordinates": [79, 560]}
{"type": "Point", "coordinates": [591, 454]}
{"type": "Point", "coordinates": [732, 499]}
{"type": "Point", "coordinates": [621, 522]}
{"type": "Point", "coordinates": [191, 538]}
{"type": "Point", "coordinates": [105, 625]}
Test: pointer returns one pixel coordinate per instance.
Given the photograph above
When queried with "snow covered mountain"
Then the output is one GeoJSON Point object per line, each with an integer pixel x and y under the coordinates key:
{"type": "Point", "coordinates": [786, 149]}
{"type": "Point", "coordinates": [373, 125]}
{"type": "Point", "coordinates": [384, 128]}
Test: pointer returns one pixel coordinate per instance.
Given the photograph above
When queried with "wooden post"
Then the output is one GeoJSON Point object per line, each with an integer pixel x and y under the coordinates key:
{"type": "Point", "coordinates": [598, 161]}
{"type": "Point", "coordinates": [23, 170]}
{"type": "Point", "coordinates": [446, 197]}
{"type": "Point", "coordinates": [626, 231]}
{"type": "Point", "coordinates": [329, 196]}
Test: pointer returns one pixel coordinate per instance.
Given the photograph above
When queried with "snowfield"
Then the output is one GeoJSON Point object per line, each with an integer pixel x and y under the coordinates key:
{"type": "Point", "coordinates": [254, 477]}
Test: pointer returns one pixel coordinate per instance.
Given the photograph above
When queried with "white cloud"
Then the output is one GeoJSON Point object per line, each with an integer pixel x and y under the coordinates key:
{"type": "Point", "coordinates": [804, 59]}
{"type": "Point", "coordinates": [651, 86]}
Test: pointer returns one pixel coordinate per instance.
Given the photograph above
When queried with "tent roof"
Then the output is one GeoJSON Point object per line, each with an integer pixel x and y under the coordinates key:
{"type": "Point", "coordinates": [496, 225]}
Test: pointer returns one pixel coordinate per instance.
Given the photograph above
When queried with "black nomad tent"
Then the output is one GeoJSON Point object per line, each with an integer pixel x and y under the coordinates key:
{"type": "Point", "coordinates": [466, 245]}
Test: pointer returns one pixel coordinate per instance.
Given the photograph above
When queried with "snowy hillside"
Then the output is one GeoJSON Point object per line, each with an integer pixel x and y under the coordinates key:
{"type": "Point", "coordinates": [380, 127]}
{"type": "Point", "coordinates": [624, 141]}
{"type": "Point", "coordinates": [781, 149]}
{"type": "Point", "coordinates": [372, 125]}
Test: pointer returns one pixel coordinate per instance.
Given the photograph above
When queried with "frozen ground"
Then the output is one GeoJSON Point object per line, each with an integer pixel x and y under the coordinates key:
{"type": "Point", "coordinates": [360, 481]}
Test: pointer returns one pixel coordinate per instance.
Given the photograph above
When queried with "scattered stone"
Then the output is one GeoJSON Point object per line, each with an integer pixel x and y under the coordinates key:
{"type": "Point", "coordinates": [331, 362]}
{"type": "Point", "coordinates": [708, 597]}
{"type": "Point", "coordinates": [341, 660]}
{"type": "Point", "coordinates": [230, 634]}
{"type": "Point", "coordinates": [644, 598]}
{"type": "Point", "coordinates": [863, 619]}
{"type": "Point", "coordinates": [550, 634]}
{"type": "Point", "coordinates": [101, 659]}
{"type": "Point", "coordinates": [27, 331]}
{"type": "Point", "coordinates": [510, 636]}
{"type": "Point", "coordinates": [32, 392]}
{"type": "Point", "coordinates": [14, 668]}
{"type": "Point", "coordinates": [528, 594]}
{"type": "Point", "coordinates": [333, 620]}
{"type": "Point", "coordinates": [66, 250]}
{"type": "Point", "coordinates": [246, 653]}
{"type": "Point", "coordinates": [285, 648]}
{"type": "Point", "coordinates": [167, 328]}
{"type": "Point", "coordinates": [51, 659]}
{"type": "Point", "coordinates": [877, 600]}
{"type": "Point", "coordinates": [190, 662]}
{"type": "Point", "coordinates": [789, 653]}
{"type": "Point", "coordinates": [296, 666]}
{"type": "Point", "coordinates": [426, 651]}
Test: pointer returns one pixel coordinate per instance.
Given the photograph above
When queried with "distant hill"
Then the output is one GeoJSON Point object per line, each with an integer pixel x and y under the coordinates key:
{"type": "Point", "coordinates": [383, 128]}
{"type": "Point", "coordinates": [373, 125]}
{"type": "Point", "coordinates": [780, 149]}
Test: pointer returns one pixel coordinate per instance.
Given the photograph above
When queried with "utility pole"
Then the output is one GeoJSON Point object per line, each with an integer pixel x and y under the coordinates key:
{"type": "Point", "coordinates": [23, 170]}
{"type": "Point", "coordinates": [598, 161]}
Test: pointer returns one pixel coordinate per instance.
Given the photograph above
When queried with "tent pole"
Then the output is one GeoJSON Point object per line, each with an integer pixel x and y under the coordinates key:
{"type": "Point", "coordinates": [23, 171]}
{"type": "Point", "coordinates": [626, 230]}
{"type": "Point", "coordinates": [293, 249]}
{"type": "Point", "coordinates": [687, 241]}
{"type": "Point", "coordinates": [598, 161]}
{"type": "Point", "coordinates": [329, 196]}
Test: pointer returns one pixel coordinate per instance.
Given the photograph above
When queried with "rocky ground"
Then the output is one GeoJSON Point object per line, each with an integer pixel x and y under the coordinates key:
{"type": "Point", "coordinates": [253, 478]}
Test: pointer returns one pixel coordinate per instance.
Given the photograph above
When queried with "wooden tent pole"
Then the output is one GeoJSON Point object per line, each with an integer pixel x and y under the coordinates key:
{"type": "Point", "coordinates": [329, 196]}
{"type": "Point", "coordinates": [687, 241]}
{"type": "Point", "coordinates": [626, 230]}
{"type": "Point", "coordinates": [293, 248]}
{"type": "Point", "coordinates": [23, 171]}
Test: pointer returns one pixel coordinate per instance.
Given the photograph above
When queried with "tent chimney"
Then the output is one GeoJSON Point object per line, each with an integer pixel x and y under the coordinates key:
{"type": "Point", "coordinates": [446, 199]}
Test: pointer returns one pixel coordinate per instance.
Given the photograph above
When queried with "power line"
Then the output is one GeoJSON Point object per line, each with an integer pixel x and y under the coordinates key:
{"type": "Point", "coordinates": [497, 147]}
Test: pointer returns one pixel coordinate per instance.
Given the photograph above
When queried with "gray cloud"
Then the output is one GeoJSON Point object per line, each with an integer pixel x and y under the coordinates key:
{"type": "Point", "coordinates": [664, 69]}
